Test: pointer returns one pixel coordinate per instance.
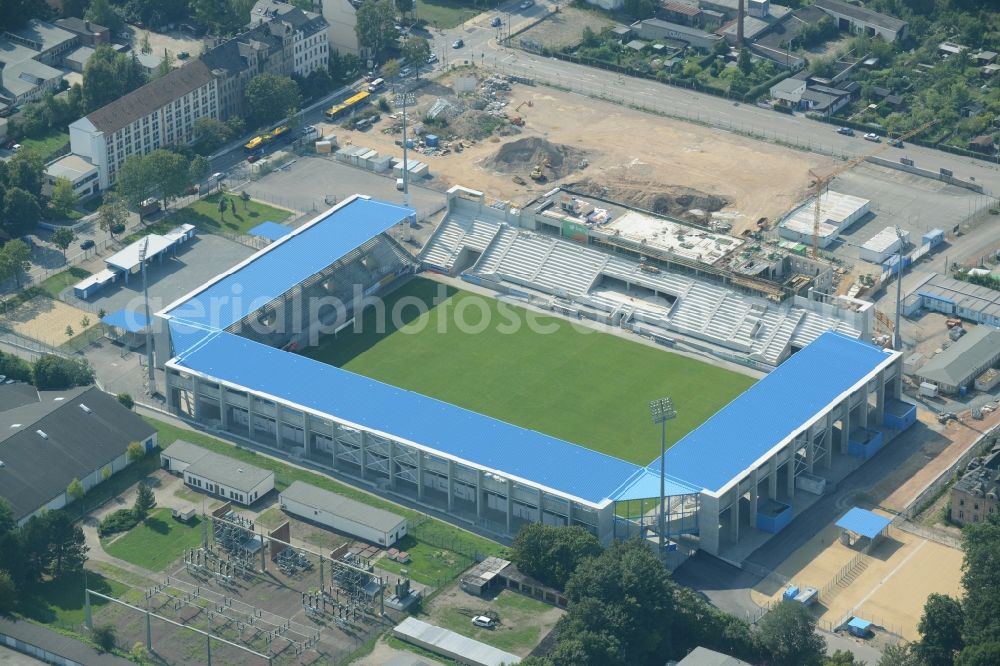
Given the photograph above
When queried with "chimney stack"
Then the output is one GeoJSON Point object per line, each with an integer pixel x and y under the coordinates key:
{"type": "Point", "coordinates": [739, 24]}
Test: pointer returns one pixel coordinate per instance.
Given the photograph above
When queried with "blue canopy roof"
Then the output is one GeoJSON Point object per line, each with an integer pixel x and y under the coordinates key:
{"type": "Point", "coordinates": [478, 439]}
{"type": "Point", "coordinates": [858, 623]}
{"type": "Point", "coordinates": [299, 255]}
{"type": "Point", "coordinates": [863, 522]}
{"type": "Point", "coordinates": [127, 320]}
{"type": "Point", "coordinates": [777, 406]}
{"type": "Point", "coordinates": [271, 230]}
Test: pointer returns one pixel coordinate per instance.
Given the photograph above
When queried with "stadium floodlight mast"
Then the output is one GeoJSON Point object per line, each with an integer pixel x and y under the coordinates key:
{"type": "Point", "coordinates": [662, 410]}
{"type": "Point", "coordinates": [149, 324]}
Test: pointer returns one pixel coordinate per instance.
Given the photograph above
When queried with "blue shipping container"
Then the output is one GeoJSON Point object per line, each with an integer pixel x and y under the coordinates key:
{"type": "Point", "coordinates": [933, 238]}
{"type": "Point", "coordinates": [431, 140]}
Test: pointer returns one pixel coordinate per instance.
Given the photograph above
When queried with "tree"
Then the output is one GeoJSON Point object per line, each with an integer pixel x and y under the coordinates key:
{"type": "Point", "coordinates": [166, 65]}
{"type": "Point", "coordinates": [21, 212]}
{"type": "Point", "coordinates": [629, 602]}
{"type": "Point", "coordinates": [26, 171]}
{"type": "Point", "coordinates": [144, 500]}
{"type": "Point", "coordinates": [85, 322]}
{"type": "Point", "coordinates": [139, 653]}
{"type": "Point", "coordinates": [640, 8]}
{"type": "Point", "coordinates": [981, 581]}
{"type": "Point", "coordinates": [135, 451]}
{"type": "Point", "coordinates": [136, 182]}
{"type": "Point", "coordinates": [101, 12]}
{"type": "Point", "coordinates": [68, 546]}
{"type": "Point", "coordinates": [8, 593]}
{"type": "Point", "coordinates": [743, 62]}
{"type": "Point", "coordinates": [109, 75]}
{"type": "Point", "coordinates": [983, 654]}
{"type": "Point", "coordinates": [899, 654]}
{"type": "Point", "coordinates": [222, 17]}
{"type": "Point", "coordinates": [168, 171]}
{"type": "Point", "coordinates": [552, 554]}
{"type": "Point", "coordinates": [375, 26]}
{"type": "Point", "coordinates": [940, 630]}
{"type": "Point", "coordinates": [404, 6]}
{"type": "Point", "coordinates": [106, 473]}
{"type": "Point", "coordinates": [416, 50]}
{"type": "Point", "coordinates": [269, 97]}
{"type": "Point", "coordinates": [144, 43]}
{"type": "Point", "coordinates": [245, 198]}
{"type": "Point", "coordinates": [75, 490]}
{"type": "Point", "coordinates": [62, 238]}
{"type": "Point", "coordinates": [112, 214]}
{"type": "Point", "coordinates": [842, 658]}
{"type": "Point", "coordinates": [105, 637]}
{"type": "Point", "coordinates": [211, 134]}
{"type": "Point", "coordinates": [64, 197]}
{"type": "Point", "coordinates": [222, 208]}
{"type": "Point", "coordinates": [390, 69]}
{"type": "Point", "coordinates": [56, 373]}
{"type": "Point", "coordinates": [15, 259]}
{"type": "Point", "coordinates": [787, 635]}
{"type": "Point", "coordinates": [69, 331]}
{"type": "Point", "coordinates": [7, 522]}
{"type": "Point", "coordinates": [128, 403]}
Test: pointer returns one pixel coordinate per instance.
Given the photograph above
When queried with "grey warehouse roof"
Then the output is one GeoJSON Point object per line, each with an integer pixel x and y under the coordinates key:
{"type": "Point", "coordinates": [861, 14]}
{"type": "Point", "coordinates": [964, 295]}
{"type": "Point", "coordinates": [228, 471]}
{"type": "Point", "coordinates": [379, 519]}
{"type": "Point", "coordinates": [185, 451]}
{"type": "Point", "coordinates": [954, 365]}
{"type": "Point", "coordinates": [704, 657]}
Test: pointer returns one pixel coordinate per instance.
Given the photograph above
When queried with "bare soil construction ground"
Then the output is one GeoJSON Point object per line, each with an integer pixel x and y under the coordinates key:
{"type": "Point", "coordinates": [45, 319]}
{"type": "Point", "coordinates": [636, 156]}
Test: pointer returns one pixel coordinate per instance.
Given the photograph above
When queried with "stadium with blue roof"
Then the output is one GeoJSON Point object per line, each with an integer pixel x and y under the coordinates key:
{"type": "Point", "coordinates": [225, 348]}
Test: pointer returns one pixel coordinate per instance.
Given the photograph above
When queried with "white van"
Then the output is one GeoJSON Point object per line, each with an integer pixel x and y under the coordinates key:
{"type": "Point", "coordinates": [375, 85]}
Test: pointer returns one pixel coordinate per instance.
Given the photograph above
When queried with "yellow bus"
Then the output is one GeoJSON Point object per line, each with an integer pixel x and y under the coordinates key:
{"type": "Point", "coordinates": [348, 105]}
{"type": "Point", "coordinates": [262, 140]}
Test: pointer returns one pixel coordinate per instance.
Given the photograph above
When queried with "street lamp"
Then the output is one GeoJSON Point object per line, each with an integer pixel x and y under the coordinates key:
{"type": "Point", "coordinates": [151, 388]}
{"type": "Point", "coordinates": [897, 336]}
{"type": "Point", "coordinates": [661, 411]}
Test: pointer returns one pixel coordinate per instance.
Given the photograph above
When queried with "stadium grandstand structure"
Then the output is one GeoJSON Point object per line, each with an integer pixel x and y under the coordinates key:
{"type": "Point", "coordinates": [829, 399]}
{"type": "Point", "coordinates": [618, 290]}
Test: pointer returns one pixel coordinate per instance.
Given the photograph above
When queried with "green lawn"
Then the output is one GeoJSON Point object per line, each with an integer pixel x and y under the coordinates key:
{"type": "Point", "coordinates": [60, 603]}
{"type": "Point", "coordinates": [570, 382]}
{"type": "Point", "coordinates": [517, 630]}
{"type": "Point", "coordinates": [429, 565]}
{"type": "Point", "coordinates": [204, 214]}
{"type": "Point", "coordinates": [444, 14]}
{"type": "Point", "coordinates": [56, 283]}
{"type": "Point", "coordinates": [45, 146]}
{"type": "Point", "coordinates": [156, 542]}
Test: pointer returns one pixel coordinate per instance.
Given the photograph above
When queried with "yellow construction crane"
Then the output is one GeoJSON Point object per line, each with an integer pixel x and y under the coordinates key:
{"type": "Point", "coordinates": [821, 182]}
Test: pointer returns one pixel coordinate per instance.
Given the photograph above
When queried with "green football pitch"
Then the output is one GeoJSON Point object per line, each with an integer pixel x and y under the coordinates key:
{"type": "Point", "coordinates": [544, 373]}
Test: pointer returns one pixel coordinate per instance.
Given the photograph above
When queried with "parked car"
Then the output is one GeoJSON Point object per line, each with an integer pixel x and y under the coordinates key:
{"type": "Point", "coordinates": [117, 228]}
{"type": "Point", "coordinates": [183, 55]}
{"type": "Point", "coordinates": [87, 244]}
{"type": "Point", "coordinates": [526, 4]}
{"type": "Point", "coordinates": [458, 43]}
{"type": "Point", "coordinates": [432, 58]}
{"type": "Point", "coordinates": [896, 143]}
{"type": "Point", "coordinates": [405, 72]}
{"type": "Point", "coordinates": [872, 136]}
{"type": "Point", "coordinates": [483, 621]}
{"type": "Point", "coordinates": [846, 131]}
{"type": "Point", "coordinates": [496, 22]}
{"type": "Point", "coordinates": [16, 147]}
{"type": "Point", "coordinates": [253, 158]}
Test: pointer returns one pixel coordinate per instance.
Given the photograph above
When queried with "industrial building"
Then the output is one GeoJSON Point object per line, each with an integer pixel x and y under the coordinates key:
{"type": "Point", "coordinates": [216, 474]}
{"type": "Point", "coordinates": [956, 368]}
{"type": "Point", "coordinates": [944, 294]}
{"type": "Point", "coordinates": [343, 514]}
{"type": "Point", "coordinates": [837, 213]}
{"type": "Point", "coordinates": [125, 262]}
{"type": "Point", "coordinates": [227, 368]}
{"type": "Point", "coordinates": [48, 439]}
{"type": "Point", "coordinates": [452, 645]}
{"type": "Point", "coordinates": [883, 245]}
{"type": "Point", "coordinates": [860, 20]}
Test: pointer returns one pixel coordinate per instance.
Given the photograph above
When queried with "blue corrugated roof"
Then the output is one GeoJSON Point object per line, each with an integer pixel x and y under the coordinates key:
{"type": "Point", "coordinates": [127, 320]}
{"type": "Point", "coordinates": [458, 432]}
{"type": "Point", "coordinates": [271, 230]}
{"type": "Point", "coordinates": [305, 252]}
{"type": "Point", "coordinates": [647, 485]}
{"type": "Point", "coordinates": [863, 522]}
{"type": "Point", "coordinates": [769, 411]}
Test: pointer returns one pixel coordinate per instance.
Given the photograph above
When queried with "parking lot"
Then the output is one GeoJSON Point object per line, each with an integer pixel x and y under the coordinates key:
{"type": "Point", "coordinates": [313, 184]}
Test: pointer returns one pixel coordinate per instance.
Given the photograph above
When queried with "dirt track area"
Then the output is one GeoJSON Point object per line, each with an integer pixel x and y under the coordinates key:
{"type": "Point", "coordinates": [631, 153]}
{"type": "Point", "coordinates": [46, 320]}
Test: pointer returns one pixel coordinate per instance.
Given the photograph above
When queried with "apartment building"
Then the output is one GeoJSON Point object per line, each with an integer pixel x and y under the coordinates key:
{"type": "Point", "coordinates": [974, 496]}
{"type": "Point", "coordinates": [310, 43]}
{"type": "Point", "coordinates": [160, 113]}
